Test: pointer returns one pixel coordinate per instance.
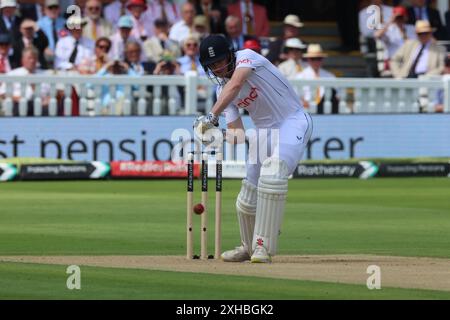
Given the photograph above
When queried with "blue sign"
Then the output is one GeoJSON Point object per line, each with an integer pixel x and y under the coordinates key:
{"type": "Point", "coordinates": [154, 138]}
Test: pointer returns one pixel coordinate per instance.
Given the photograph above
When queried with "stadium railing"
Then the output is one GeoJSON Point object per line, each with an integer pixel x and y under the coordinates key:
{"type": "Point", "coordinates": [370, 95]}
{"type": "Point", "coordinates": [156, 95]}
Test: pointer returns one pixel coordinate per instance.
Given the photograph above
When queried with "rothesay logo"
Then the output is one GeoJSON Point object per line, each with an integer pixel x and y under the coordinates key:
{"type": "Point", "coordinates": [211, 52]}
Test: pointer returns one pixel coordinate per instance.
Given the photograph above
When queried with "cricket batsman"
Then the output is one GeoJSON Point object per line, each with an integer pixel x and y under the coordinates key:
{"type": "Point", "coordinates": [248, 80]}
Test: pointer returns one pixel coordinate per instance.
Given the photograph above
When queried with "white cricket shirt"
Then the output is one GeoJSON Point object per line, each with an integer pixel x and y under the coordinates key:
{"type": "Point", "coordinates": [266, 95]}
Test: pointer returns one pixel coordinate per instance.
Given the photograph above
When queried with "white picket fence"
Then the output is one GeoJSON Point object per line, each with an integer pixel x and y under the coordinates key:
{"type": "Point", "coordinates": [380, 95]}
{"type": "Point", "coordinates": [157, 95]}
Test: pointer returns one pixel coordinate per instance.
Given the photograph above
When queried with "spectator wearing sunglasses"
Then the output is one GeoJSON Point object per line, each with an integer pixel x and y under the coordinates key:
{"type": "Point", "coordinates": [96, 26]}
{"type": "Point", "coordinates": [100, 58]}
{"type": "Point", "coordinates": [315, 96]}
{"type": "Point", "coordinates": [190, 61]}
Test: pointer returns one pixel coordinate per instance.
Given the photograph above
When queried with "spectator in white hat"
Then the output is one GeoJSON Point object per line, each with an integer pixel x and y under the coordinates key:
{"type": "Point", "coordinates": [292, 25]}
{"type": "Point", "coordinates": [9, 20]}
{"type": "Point", "coordinates": [294, 63]}
{"type": "Point", "coordinates": [74, 48]}
{"type": "Point", "coordinates": [291, 29]}
{"type": "Point", "coordinates": [315, 57]}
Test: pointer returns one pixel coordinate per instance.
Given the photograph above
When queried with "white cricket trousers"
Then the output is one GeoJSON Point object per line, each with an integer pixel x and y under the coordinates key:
{"type": "Point", "coordinates": [288, 142]}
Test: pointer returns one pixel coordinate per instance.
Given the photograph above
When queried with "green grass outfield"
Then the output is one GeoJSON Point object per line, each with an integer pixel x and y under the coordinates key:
{"type": "Point", "coordinates": [29, 281]}
{"type": "Point", "coordinates": [399, 217]}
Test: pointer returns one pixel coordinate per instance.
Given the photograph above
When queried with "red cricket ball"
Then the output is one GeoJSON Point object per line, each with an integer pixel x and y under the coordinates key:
{"type": "Point", "coordinates": [199, 208]}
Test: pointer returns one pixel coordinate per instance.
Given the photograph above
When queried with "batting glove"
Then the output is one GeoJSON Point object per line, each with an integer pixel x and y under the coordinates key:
{"type": "Point", "coordinates": [204, 123]}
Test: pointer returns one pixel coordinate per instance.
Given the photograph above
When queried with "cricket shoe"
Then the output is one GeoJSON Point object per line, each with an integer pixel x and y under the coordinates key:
{"type": "Point", "coordinates": [239, 254]}
{"type": "Point", "coordinates": [260, 255]}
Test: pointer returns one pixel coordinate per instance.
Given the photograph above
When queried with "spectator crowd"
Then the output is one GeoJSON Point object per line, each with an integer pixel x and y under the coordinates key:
{"type": "Point", "coordinates": [161, 37]}
{"type": "Point", "coordinates": [134, 37]}
{"type": "Point", "coordinates": [405, 39]}
{"type": "Point", "coordinates": [157, 28]}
